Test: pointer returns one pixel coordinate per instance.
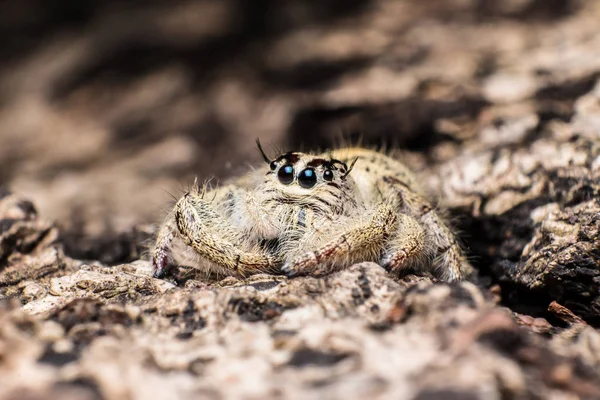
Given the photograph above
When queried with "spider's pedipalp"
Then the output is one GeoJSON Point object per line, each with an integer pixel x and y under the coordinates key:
{"type": "Point", "coordinates": [359, 241]}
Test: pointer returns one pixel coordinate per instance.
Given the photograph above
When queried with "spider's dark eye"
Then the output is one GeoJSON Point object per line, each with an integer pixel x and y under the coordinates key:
{"type": "Point", "coordinates": [307, 178]}
{"type": "Point", "coordinates": [328, 175]}
{"type": "Point", "coordinates": [286, 174]}
{"type": "Point", "coordinates": [273, 165]}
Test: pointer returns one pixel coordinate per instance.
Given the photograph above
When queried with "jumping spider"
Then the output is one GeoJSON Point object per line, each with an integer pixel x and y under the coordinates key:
{"type": "Point", "coordinates": [311, 214]}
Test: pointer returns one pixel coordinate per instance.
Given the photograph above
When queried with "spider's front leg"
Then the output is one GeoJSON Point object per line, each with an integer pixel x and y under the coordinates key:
{"type": "Point", "coordinates": [162, 255]}
{"type": "Point", "coordinates": [362, 241]}
{"type": "Point", "coordinates": [212, 236]}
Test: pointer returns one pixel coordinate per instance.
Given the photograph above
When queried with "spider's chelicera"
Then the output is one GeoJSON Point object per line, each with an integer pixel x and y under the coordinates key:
{"type": "Point", "coordinates": [311, 214]}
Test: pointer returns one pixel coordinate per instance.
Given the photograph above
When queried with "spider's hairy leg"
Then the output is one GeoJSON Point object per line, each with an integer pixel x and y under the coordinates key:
{"type": "Point", "coordinates": [363, 241]}
{"type": "Point", "coordinates": [161, 253]}
{"type": "Point", "coordinates": [214, 238]}
{"type": "Point", "coordinates": [406, 246]}
{"type": "Point", "coordinates": [449, 262]}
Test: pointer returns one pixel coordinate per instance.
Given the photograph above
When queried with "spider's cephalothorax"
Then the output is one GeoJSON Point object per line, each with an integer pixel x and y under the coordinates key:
{"type": "Point", "coordinates": [306, 214]}
{"type": "Point", "coordinates": [300, 187]}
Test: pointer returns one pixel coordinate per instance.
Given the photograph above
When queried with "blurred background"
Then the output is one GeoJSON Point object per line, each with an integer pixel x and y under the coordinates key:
{"type": "Point", "coordinates": [108, 107]}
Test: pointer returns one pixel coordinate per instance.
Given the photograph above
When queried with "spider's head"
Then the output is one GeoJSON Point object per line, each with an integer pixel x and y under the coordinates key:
{"type": "Point", "coordinates": [298, 176]}
{"type": "Point", "coordinates": [308, 171]}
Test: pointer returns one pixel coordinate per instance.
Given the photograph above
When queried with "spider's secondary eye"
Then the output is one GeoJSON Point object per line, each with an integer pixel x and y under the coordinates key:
{"type": "Point", "coordinates": [273, 165]}
{"type": "Point", "coordinates": [328, 175]}
{"type": "Point", "coordinates": [286, 174]}
{"type": "Point", "coordinates": [307, 178]}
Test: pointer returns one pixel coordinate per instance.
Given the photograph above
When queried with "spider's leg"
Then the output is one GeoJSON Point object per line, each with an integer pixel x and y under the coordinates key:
{"type": "Point", "coordinates": [364, 241]}
{"type": "Point", "coordinates": [406, 246]}
{"type": "Point", "coordinates": [161, 253]}
{"type": "Point", "coordinates": [214, 238]}
{"type": "Point", "coordinates": [449, 262]}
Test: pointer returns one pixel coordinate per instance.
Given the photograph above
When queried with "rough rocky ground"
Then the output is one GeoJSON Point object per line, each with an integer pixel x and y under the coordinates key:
{"type": "Point", "coordinates": [496, 104]}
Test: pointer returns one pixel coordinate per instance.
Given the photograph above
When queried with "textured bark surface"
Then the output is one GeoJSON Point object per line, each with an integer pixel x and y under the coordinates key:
{"type": "Point", "coordinates": [106, 107]}
{"type": "Point", "coordinates": [92, 331]}
{"type": "Point", "coordinates": [533, 216]}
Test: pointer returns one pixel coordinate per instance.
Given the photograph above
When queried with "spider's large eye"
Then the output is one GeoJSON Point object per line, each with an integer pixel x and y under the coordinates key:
{"type": "Point", "coordinates": [307, 178]}
{"type": "Point", "coordinates": [286, 174]}
{"type": "Point", "coordinates": [328, 175]}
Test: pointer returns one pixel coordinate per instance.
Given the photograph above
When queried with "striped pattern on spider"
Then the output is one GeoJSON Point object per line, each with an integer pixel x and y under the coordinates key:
{"type": "Point", "coordinates": [311, 214]}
